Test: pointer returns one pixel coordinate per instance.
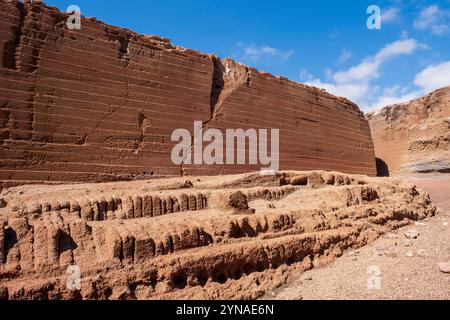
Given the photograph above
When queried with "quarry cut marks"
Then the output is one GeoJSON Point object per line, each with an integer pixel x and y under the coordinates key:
{"type": "Point", "coordinates": [100, 104]}
{"type": "Point", "coordinates": [230, 237]}
{"type": "Point", "coordinates": [213, 153]}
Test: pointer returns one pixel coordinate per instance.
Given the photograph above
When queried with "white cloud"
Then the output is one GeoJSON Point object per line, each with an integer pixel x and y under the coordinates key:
{"type": "Point", "coordinates": [434, 19]}
{"type": "Point", "coordinates": [370, 67]}
{"type": "Point", "coordinates": [390, 15]}
{"type": "Point", "coordinates": [356, 84]}
{"type": "Point", "coordinates": [440, 29]}
{"type": "Point", "coordinates": [352, 91]}
{"type": "Point", "coordinates": [395, 95]}
{"type": "Point", "coordinates": [434, 77]}
{"type": "Point", "coordinates": [361, 72]}
{"type": "Point", "coordinates": [305, 75]}
{"type": "Point", "coordinates": [345, 56]}
{"type": "Point", "coordinates": [406, 46]}
{"type": "Point", "coordinates": [328, 74]}
{"type": "Point", "coordinates": [431, 78]}
{"type": "Point", "coordinates": [255, 54]}
{"type": "Point", "coordinates": [427, 17]}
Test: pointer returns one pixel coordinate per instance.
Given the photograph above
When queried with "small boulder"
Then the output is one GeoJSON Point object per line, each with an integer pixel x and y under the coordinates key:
{"type": "Point", "coordinates": [369, 194]}
{"type": "Point", "coordinates": [328, 178]}
{"type": "Point", "coordinates": [444, 267]}
{"type": "Point", "coordinates": [315, 180]}
{"type": "Point", "coordinates": [239, 202]}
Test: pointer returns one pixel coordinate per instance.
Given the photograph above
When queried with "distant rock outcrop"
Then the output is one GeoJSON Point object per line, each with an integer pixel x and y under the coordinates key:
{"type": "Point", "coordinates": [413, 136]}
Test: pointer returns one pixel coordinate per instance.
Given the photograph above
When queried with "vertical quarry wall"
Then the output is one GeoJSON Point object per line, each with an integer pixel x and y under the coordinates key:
{"type": "Point", "coordinates": [101, 103]}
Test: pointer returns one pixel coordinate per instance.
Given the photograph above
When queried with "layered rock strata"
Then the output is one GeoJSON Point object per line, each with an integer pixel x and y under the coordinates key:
{"type": "Point", "coordinates": [100, 104]}
{"type": "Point", "coordinates": [413, 137]}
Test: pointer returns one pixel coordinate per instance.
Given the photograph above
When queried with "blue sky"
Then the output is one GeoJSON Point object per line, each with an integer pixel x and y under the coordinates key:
{"type": "Point", "coordinates": [321, 42]}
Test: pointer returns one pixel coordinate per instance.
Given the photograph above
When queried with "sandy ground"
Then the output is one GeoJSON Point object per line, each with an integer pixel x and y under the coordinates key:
{"type": "Point", "coordinates": [394, 266]}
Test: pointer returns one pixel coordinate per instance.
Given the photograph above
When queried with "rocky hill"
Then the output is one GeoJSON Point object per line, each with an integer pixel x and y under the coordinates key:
{"type": "Point", "coordinates": [414, 136]}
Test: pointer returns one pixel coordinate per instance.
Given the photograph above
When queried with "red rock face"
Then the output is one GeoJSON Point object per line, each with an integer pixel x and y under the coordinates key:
{"type": "Point", "coordinates": [100, 104]}
{"type": "Point", "coordinates": [413, 137]}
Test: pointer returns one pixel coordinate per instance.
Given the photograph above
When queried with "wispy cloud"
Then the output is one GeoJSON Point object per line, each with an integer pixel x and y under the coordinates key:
{"type": "Point", "coordinates": [390, 15]}
{"type": "Point", "coordinates": [353, 91]}
{"type": "Point", "coordinates": [256, 54]}
{"type": "Point", "coordinates": [345, 56]}
{"type": "Point", "coordinates": [431, 78]}
{"type": "Point", "coordinates": [434, 77]}
{"type": "Point", "coordinates": [394, 95]}
{"type": "Point", "coordinates": [434, 19]}
{"type": "Point", "coordinates": [370, 67]}
{"type": "Point", "coordinates": [305, 75]}
{"type": "Point", "coordinates": [355, 82]}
